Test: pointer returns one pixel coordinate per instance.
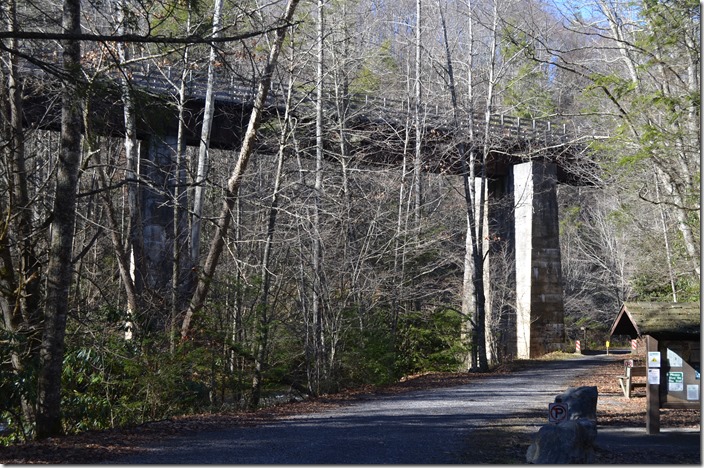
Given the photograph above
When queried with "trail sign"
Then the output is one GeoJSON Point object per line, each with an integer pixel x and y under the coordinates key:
{"type": "Point", "coordinates": [557, 412]}
{"type": "Point", "coordinates": [675, 381]}
{"type": "Point", "coordinates": [653, 358]}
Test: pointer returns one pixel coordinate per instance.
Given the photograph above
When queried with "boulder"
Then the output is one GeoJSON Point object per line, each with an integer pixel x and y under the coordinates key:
{"type": "Point", "coordinates": [572, 440]}
{"type": "Point", "coordinates": [568, 442]}
{"type": "Point", "coordinates": [581, 402]}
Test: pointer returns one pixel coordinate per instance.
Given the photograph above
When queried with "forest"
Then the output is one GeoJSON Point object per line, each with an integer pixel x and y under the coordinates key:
{"type": "Point", "coordinates": [162, 253]}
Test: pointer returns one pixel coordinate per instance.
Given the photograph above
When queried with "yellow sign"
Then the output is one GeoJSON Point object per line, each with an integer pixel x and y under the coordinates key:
{"type": "Point", "coordinates": [607, 344]}
{"type": "Point", "coordinates": [653, 358]}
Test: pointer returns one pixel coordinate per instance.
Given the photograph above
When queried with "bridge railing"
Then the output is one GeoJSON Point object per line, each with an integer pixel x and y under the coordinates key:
{"type": "Point", "coordinates": [500, 125]}
{"type": "Point", "coordinates": [166, 80]}
{"type": "Point", "coordinates": [230, 89]}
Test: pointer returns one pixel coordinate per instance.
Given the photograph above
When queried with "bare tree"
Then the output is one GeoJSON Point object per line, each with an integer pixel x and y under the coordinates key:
{"type": "Point", "coordinates": [418, 120]}
{"type": "Point", "coordinates": [631, 79]}
{"type": "Point", "coordinates": [265, 319]}
{"type": "Point", "coordinates": [318, 342]}
{"type": "Point", "coordinates": [20, 296]}
{"type": "Point", "coordinates": [133, 282]}
{"type": "Point", "coordinates": [204, 147]}
{"type": "Point", "coordinates": [235, 180]}
{"type": "Point", "coordinates": [471, 291]}
{"type": "Point", "coordinates": [59, 270]}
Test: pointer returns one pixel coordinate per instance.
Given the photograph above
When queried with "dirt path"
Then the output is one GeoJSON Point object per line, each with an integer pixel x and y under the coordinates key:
{"type": "Point", "coordinates": [433, 418]}
{"type": "Point", "coordinates": [429, 426]}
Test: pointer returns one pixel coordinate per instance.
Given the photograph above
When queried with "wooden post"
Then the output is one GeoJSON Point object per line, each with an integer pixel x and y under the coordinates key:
{"type": "Point", "coordinates": [652, 392]}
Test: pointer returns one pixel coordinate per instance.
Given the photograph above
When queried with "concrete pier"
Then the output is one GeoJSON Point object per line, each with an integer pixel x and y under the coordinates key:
{"type": "Point", "coordinates": [540, 325]}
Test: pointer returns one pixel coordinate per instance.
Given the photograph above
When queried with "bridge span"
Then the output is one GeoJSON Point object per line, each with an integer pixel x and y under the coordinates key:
{"type": "Point", "coordinates": [526, 160]}
{"type": "Point", "coordinates": [376, 125]}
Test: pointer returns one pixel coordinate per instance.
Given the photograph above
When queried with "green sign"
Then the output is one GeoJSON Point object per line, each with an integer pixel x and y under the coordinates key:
{"type": "Point", "coordinates": [675, 377]}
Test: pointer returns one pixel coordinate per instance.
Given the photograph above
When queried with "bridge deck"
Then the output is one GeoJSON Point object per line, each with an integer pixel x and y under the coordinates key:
{"type": "Point", "coordinates": [374, 123]}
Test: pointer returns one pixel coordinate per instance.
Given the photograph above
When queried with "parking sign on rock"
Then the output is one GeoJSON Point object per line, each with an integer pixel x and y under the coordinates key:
{"type": "Point", "coordinates": [557, 412]}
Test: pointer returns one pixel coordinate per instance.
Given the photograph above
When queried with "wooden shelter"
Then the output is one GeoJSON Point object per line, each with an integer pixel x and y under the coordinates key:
{"type": "Point", "coordinates": [672, 333]}
{"type": "Point", "coordinates": [663, 320]}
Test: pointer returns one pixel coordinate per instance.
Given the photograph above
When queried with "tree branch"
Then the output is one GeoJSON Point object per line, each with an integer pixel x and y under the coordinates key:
{"type": "Point", "coordinates": [135, 38]}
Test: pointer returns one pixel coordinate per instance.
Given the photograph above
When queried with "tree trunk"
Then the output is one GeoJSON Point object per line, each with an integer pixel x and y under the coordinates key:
{"type": "Point", "coordinates": [263, 321]}
{"type": "Point", "coordinates": [235, 180]}
{"type": "Point", "coordinates": [480, 313]}
{"type": "Point", "coordinates": [180, 283]}
{"type": "Point", "coordinates": [666, 240]}
{"type": "Point", "coordinates": [400, 238]}
{"type": "Point", "coordinates": [62, 231]}
{"type": "Point", "coordinates": [417, 122]}
{"type": "Point", "coordinates": [121, 253]}
{"type": "Point", "coordinates": [317, 248]}
{"type": "Point", "coordinates": [204, 147]}
{"type": "Point", "coordinates": [468, 302]}
{"type": "Point", "coordinates": [21, 308]}
{"type": "Point", "coordinates": [136, 240]}
{"type": "Point", "coordinates": [473, 297]}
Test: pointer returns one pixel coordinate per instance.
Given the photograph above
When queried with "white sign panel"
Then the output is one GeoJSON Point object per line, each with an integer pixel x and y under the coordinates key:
{"type": "Point", "coordinates": [693, 392]}
{"type": "Point", "coordinates": [654, 376]}
{"type": "Point", "coordinates": [653, 358]}
{"type": "Point", "coordinates": [674, 358]}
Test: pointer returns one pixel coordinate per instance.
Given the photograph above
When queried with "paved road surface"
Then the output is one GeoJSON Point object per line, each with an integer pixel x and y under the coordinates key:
{"type": "Point", "coordinates": [430, 426]}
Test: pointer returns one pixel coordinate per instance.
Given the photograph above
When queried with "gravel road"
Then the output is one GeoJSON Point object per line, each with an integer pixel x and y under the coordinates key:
{"type": "Point", "coordinates": [429, 426]}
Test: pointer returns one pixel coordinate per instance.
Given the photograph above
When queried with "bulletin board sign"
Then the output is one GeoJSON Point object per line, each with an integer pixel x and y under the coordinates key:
{"type": "Point", "coordinates": [680, 380]}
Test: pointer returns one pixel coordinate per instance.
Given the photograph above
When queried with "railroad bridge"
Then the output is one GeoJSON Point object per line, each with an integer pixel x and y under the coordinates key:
{"type": "Point", "coordinates": [526, 161]}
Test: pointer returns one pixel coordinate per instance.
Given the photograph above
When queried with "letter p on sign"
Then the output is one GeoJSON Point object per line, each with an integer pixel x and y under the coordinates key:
{"type": "Point", "coordinates": [557, 412]}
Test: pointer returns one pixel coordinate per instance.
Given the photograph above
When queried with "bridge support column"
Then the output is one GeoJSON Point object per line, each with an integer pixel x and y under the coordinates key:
{"type": "Point", "coordinates": [539, 295]}
{"type": "Point", "coordinates": [499, 271]}
{"type": "Point", "coordinates": [159, 171]}
{"type": "Point", "coordinates": [156, 168]}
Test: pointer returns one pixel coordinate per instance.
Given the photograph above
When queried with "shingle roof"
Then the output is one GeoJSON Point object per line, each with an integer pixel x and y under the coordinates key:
{"type": "Point", "coordinates": [658, 319]}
